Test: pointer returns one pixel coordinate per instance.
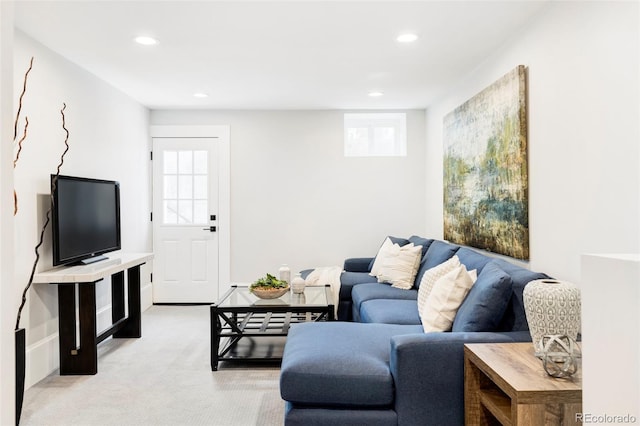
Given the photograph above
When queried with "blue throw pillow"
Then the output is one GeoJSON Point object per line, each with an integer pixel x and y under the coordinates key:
{"type": "Point", "coordinates": [487, 301]}
{"type": "Point", "coordinates": [472, 259]}
{"type": "Point", "coordinates": [438, 252]}
{"type": "Point", "coordinates": [419, 241]}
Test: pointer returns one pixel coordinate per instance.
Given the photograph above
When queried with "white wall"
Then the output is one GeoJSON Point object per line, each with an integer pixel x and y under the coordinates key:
{"type": "Point", "coordinates": [296, 199]}
{"type": "Point", "coordinates": [582, 60]}
{"type": "Point", "coordinates": [109, 140]}
{"type": "Point", "coordinates": [604, 276]}
{"type": "Point", "coordinates": [8, 298]}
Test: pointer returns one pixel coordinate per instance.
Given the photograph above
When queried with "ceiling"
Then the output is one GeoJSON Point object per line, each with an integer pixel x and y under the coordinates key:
{"type": "Point", "coordinates": [276, 54]}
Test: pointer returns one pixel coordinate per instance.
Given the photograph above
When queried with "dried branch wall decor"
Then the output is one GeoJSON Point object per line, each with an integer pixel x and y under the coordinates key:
{"type": "Point", "coordinates": [20, 333]}
{"type": "Point", "coordinates": [47, 219]}
{"type": "Point", "coordinates": [24, 133]}
{"type": "Point", "coordinates": [485, 169]}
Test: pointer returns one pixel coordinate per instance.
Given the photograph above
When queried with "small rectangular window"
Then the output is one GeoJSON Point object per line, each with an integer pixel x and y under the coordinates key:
{"type": "Point", "coordinates": [375, 135]}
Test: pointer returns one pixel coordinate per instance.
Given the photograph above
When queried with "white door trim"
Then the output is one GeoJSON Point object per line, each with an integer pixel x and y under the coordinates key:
{"type": "Point", "coordinates": [224, 182]}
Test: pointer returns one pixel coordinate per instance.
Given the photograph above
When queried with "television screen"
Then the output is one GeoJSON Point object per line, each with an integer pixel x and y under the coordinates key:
{"type": "Point", "coordinates": [86, 218]}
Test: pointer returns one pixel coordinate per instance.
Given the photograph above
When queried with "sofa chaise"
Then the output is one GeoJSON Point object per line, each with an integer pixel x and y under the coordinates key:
{"type": "Point", "coordinates": [377, 365]}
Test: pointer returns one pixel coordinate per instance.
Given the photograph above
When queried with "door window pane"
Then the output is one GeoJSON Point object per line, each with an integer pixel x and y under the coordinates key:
{"type": "Point", "coordinates": [185, 188]}
{"type": "Point", "coordinates": [185, 163]}
{"type": "Point", "coordinates": [200, 187]}
{"type": "Point", "coordinates": [170, 162]}
{"type": "Point", "coordinates": [170, 213]}
{"type": "Point", "coordinates": [185, 211]}
{"type": "Point", "coordinates": [170, 187]}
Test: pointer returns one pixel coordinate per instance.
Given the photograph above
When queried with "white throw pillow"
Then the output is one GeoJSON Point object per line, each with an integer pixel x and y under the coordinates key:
{"type": "Point", "coordinates": [383, 253]}
{"type": "Point", "coordinates": [445, 298]}
{"type": "Point", "coordinates": [401, 266]}
{"type": "Point", "coordinates": [431, 276]}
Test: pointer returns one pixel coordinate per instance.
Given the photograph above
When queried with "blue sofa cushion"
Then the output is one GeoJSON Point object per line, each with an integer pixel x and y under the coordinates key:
{"type": "Point", "coordinates": [515, 318]}
{"type": "Point", "coordinates": [484, 306]}
{"type": "Point", "coordinates": [349, 279]}
{"type": "Point", "coordinates": [319, 365]}
{"type": "Point", "coordinates": [425, 243]}
{"type": "Point", "coordinates": [471, 259]}
{"type": "Point", "coordinates": [438, 252]}
{"type": "Point", "coordinates": [389, 311]}
{"type": "Point", "coordinates": [363, 292]}
{"type": "Point", "coordinates": [395, 240]}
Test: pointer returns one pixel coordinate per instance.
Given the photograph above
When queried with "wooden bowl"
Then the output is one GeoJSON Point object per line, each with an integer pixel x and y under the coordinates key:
{"type": "Point", "coordinates": [269, 293]}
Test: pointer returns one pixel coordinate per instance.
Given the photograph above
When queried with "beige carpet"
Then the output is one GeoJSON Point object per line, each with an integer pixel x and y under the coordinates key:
{"type": "Point", "coordinates": [164, 378]}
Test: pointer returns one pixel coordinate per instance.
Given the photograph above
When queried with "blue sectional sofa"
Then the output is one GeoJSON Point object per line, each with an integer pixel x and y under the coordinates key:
{"type": "Point", "coordinates": [377, 366]}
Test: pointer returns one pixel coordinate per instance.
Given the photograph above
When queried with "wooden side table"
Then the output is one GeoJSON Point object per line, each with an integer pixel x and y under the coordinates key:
{"type": "Point", "coordinates": [506, 384]}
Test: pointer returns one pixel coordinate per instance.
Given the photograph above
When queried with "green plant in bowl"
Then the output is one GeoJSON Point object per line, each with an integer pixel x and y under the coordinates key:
{"type": "Point", "coordinates": [269, 287]}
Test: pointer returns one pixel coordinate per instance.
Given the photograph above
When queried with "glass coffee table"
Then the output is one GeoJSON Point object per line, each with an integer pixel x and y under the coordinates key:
{"type": "Point", "coordinates": [247, 328]}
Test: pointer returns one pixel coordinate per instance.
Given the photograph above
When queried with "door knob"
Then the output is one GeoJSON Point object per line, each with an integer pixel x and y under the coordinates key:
{"type": "Point", "coordinates": [210, 229]}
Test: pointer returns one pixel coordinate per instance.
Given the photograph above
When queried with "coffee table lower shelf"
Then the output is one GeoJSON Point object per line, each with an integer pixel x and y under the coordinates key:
{"type": "Point", "coordinates": [262, 349]}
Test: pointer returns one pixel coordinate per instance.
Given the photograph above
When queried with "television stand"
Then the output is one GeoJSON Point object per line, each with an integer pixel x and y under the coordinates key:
{"type": "Point", "coordinates": [94, 259]}
{"type": "Point", "coordinates": [79, 283]}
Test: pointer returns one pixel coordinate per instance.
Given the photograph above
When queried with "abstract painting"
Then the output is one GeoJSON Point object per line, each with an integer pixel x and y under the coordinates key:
{"type": "Point", "coordinates": [485, 169]}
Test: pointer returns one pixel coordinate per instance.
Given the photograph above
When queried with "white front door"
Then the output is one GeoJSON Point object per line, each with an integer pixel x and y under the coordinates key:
{"type": "Point", "coordinates": [185, 220]}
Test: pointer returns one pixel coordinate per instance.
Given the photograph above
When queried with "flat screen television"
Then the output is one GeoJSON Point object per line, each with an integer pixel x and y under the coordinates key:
{"type": "Point", "coordinates": [85, 219]}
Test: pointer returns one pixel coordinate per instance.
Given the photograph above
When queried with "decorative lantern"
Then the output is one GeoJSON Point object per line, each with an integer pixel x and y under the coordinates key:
{"type": "Point", "coordinates": [560, 356]}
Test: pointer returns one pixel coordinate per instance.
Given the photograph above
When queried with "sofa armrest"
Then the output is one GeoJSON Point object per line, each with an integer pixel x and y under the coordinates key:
{"type": "Point", "coordinates": [358, 264]}
{"type": "Point", "coordinates": [428, 372]}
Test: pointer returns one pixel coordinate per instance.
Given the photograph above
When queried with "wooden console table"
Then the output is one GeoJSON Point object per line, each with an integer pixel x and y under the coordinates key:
{"type": "Point", "coordinates": [506, 384]}
{"type": "Point", "coordinates": [79, 282]}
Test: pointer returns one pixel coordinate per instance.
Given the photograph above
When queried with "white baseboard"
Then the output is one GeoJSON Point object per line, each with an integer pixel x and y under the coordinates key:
{"type": "Point", "coordinates": [42, 359]}
{"type": "Point", "coordinates": [43, 356]}
{"type": "Point", "coordinates": [103, 319]}
{"type": "Point", "coordinates": [146, 296]}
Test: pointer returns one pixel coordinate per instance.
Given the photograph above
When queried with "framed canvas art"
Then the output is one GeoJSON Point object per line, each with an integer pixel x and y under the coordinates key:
{"type": "Point", "coordinates": [485, 169]}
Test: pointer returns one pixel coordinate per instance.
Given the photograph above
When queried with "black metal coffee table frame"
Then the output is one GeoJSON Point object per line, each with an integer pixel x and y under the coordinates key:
{"type": "Point", "coordinates": [245, 328]}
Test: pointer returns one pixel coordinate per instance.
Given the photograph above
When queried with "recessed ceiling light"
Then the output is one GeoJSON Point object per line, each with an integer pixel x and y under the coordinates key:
{"type": "Point", "coordinates": [375, 94]}
{"type": "Point", "coordinates": [407, 38]}
{"type": "Point", "coordinates": [200, 95]}
{"type": "Point", "coordinates": [145, 40]}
